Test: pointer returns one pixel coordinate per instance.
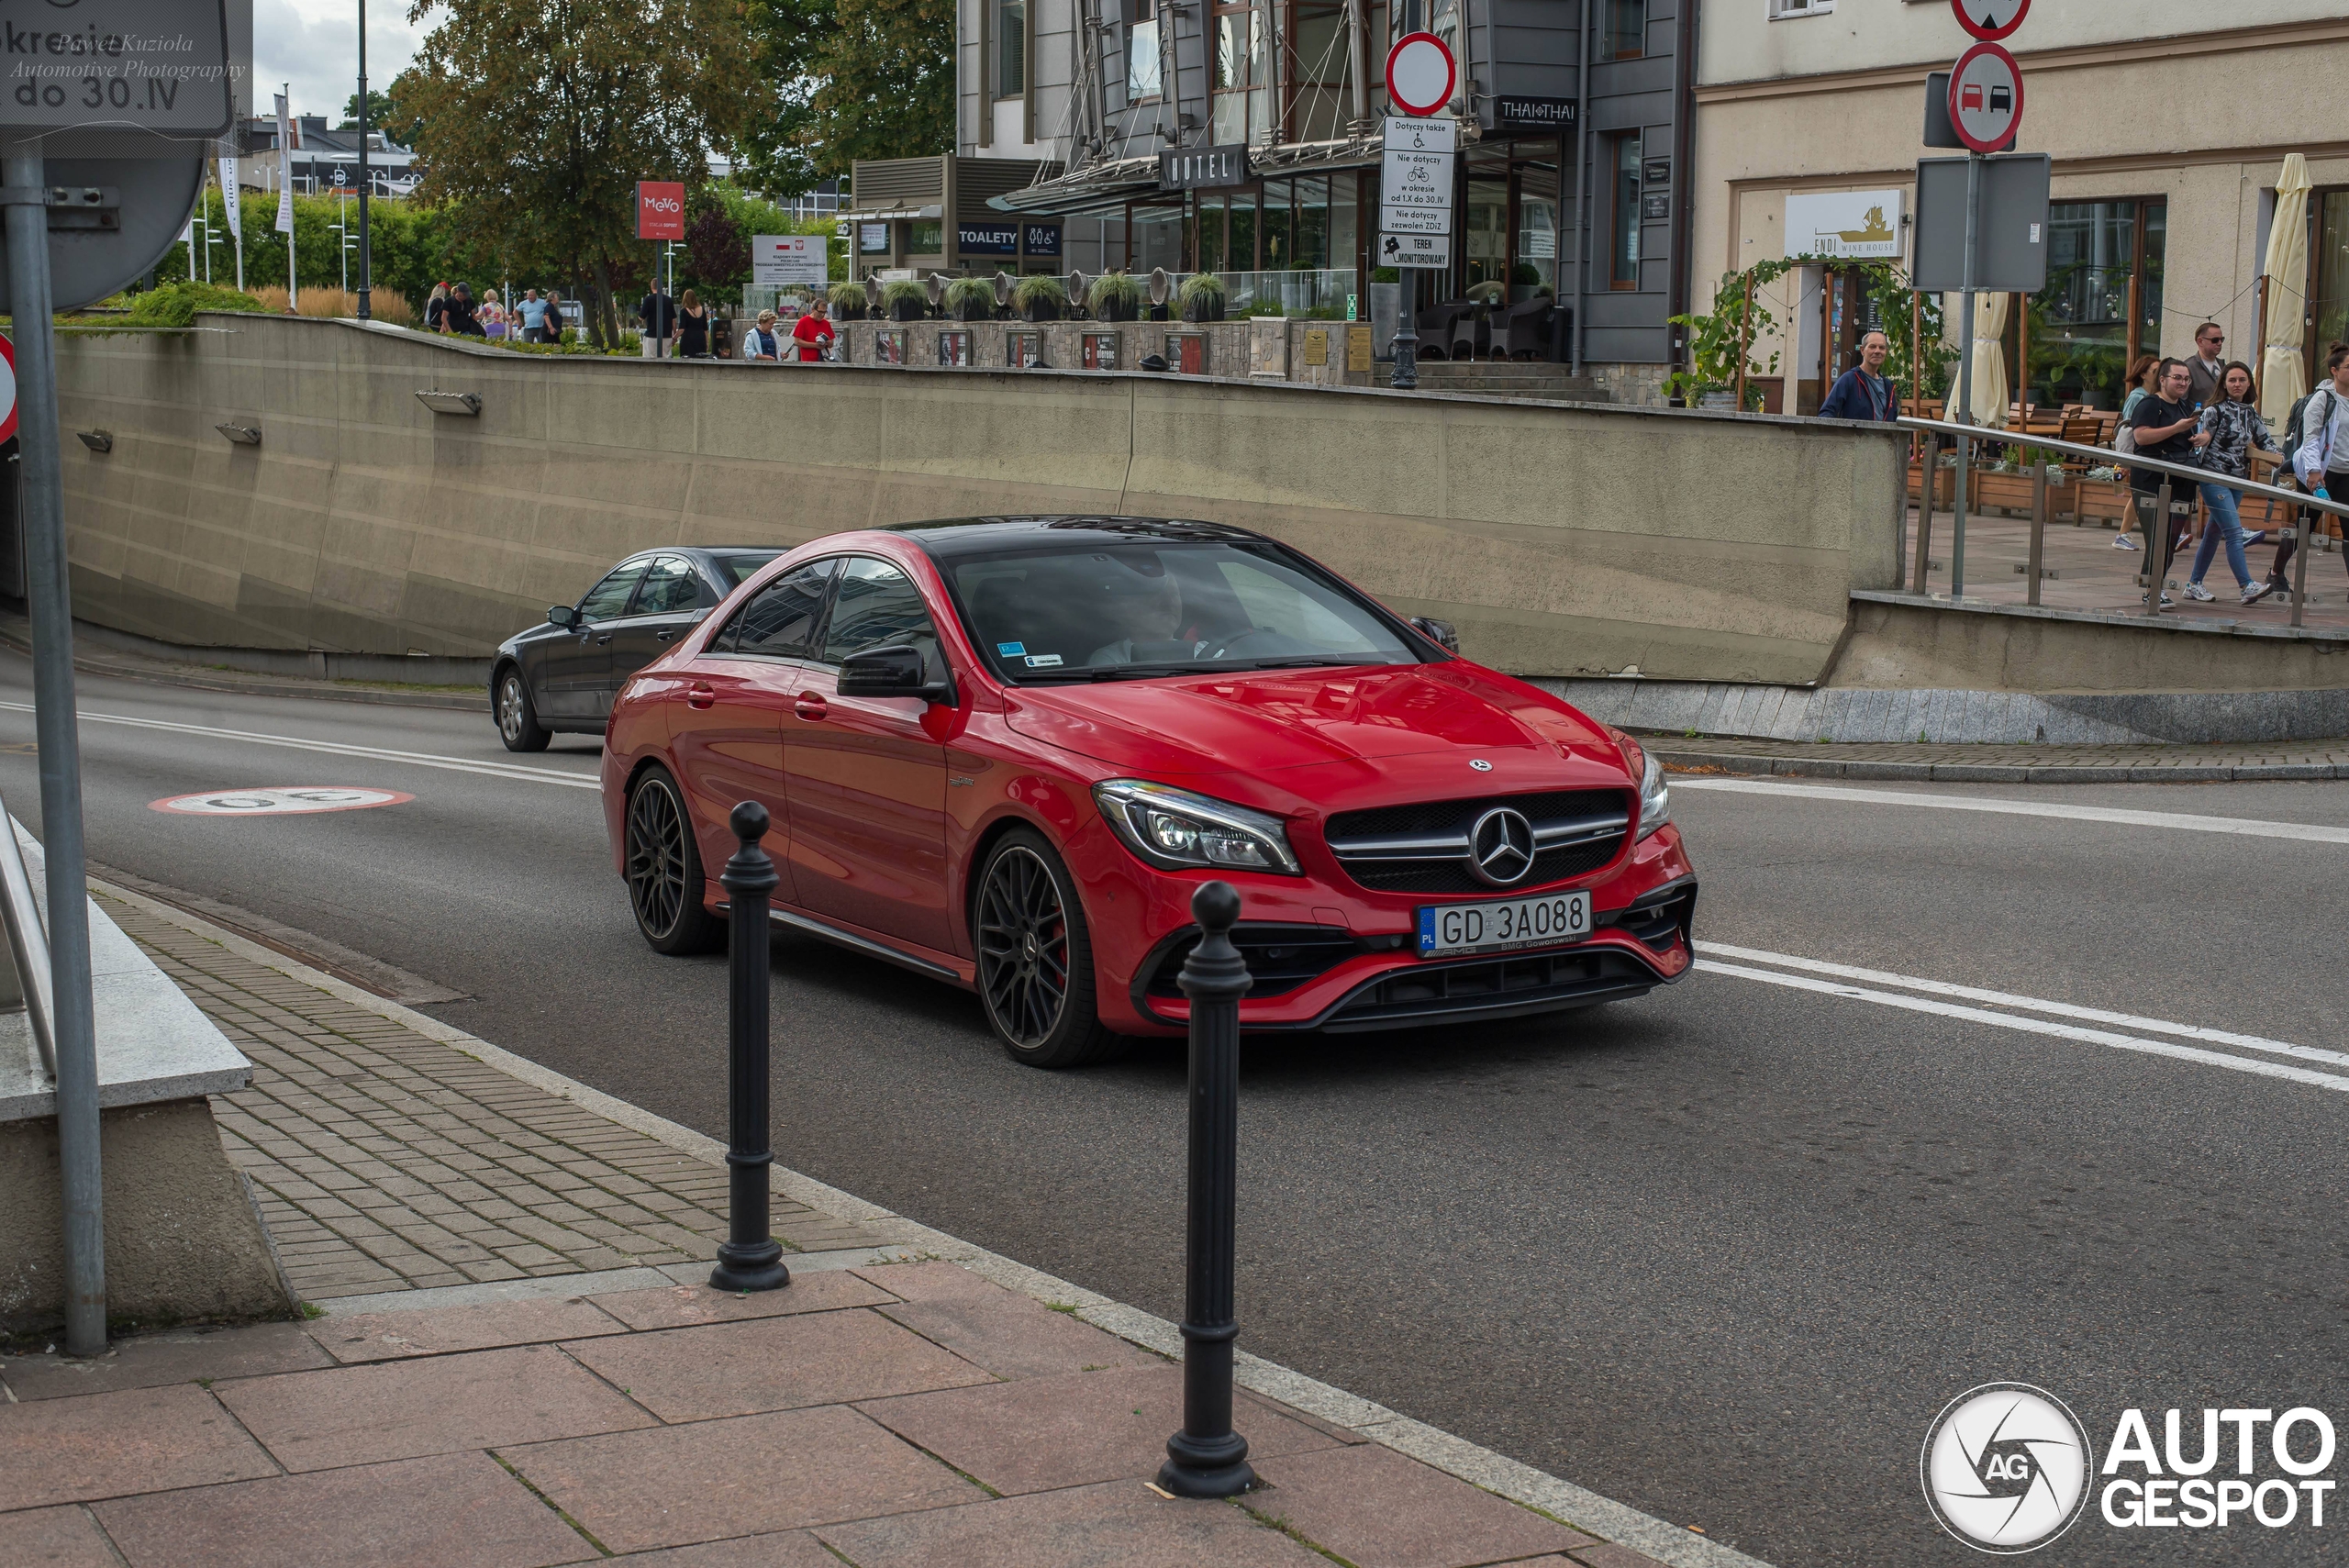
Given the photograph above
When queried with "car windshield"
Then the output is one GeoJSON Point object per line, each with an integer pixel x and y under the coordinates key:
{"type": "Point", "coordinates": [1110, 609]}
{"type": "Point", "coordinates": [739, 566]}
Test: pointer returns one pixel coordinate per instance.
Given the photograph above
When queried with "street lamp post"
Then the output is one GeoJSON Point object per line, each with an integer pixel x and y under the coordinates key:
{"type": "Point", "coordinates": [366, 309]}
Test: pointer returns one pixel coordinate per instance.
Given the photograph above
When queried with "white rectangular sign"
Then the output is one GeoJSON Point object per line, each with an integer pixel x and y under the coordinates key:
{"type": "Point", "coordinates": [1423, 136]}
{"type": "Point", "coordinates": [1414, 251]}
{"type": "Point", "coordinates": [1416, 179]}
{"type": "Point", "coordinates": [154, 66]}
{"type": "Point", "coordinates": [1414, 221]}
{"type": "Point", "coordinates": [784, 259]}
{"type": "Point", "coordinates": [1845, 223]}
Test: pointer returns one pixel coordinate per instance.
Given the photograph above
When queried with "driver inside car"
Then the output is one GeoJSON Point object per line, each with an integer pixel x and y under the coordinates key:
{"type": "Point", "coordinates": [1142, 597]}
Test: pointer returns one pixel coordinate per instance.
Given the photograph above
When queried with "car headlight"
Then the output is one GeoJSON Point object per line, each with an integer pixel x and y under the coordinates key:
{"type": "Point", "coordinates": [1655, 796]}
{"type": "Point", "coordinates": [1175, 829]}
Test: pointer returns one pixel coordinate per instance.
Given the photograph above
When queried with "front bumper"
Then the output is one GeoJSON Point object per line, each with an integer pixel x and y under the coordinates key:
{"type": "Point", "coordinates": [1323, 975]}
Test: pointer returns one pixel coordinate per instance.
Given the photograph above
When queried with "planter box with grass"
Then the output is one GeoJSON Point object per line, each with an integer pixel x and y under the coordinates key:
{"type": "Point", "coordinates": [1039, 297]}
{"type": "Point", "coordinates": [904, 300]}
{"type": "Point", "coordinates": [1116, 296]}
{"type": "Point", "coordinates": [970, 299]}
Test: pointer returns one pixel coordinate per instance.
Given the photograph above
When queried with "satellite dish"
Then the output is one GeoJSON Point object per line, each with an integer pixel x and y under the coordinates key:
{"type": "Point", "coordinates": [1078, 284]}
{"type": "Point", "coordinates": [936, 287]}
{"type": "Point", "coordinates": [1003, 288]}
{"type": "Point", "coordinates": [1159, 285]}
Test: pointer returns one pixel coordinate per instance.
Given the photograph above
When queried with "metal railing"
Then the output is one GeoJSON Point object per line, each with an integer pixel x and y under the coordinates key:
{"type": "Point", "coordinates": [27, 942]}
{"type": "Point", "coordinates": [2157, 540]}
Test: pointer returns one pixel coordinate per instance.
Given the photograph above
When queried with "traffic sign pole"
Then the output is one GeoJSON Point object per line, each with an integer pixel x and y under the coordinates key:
{"type": "Point", "coordinates": [49, 597]}
{"type": "Point", "coordinates": [366, 309]}
{"type": "Point", "coordinates": [1965, 375]}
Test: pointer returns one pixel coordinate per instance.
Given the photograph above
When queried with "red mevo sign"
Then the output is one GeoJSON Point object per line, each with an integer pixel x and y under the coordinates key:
{"type": "Point", "coordinates": [660, 209]}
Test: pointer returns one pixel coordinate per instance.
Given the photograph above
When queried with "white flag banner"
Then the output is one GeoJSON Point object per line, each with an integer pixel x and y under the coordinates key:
{"type": "Point", "coordinates": [228, 195]}
{"type": "Point", "coordinates": [284, 168]}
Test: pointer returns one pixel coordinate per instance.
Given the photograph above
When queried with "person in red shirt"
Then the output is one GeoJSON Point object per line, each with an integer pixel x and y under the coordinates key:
{"type": "Point", "coordinates": [813, 333]}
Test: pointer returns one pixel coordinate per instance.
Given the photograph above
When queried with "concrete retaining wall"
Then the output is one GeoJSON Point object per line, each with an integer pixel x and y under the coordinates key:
{"type": "Point", "coordinates": [1564, 540]}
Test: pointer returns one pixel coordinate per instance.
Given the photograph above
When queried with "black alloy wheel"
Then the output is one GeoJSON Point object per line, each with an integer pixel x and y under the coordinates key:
{"type": "Point", "coordinates": [1035, 956]}
{"type": "Point", "coordinates": [518, 720]}
{"type": "Point", "coordinates": [664, 876]}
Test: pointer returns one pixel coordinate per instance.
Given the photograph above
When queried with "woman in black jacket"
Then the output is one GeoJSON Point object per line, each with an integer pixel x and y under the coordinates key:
{"type": "Point", "coordinates": [692, 328]}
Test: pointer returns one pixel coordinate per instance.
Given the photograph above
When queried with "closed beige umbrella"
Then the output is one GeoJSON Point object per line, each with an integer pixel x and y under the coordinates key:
{"type": "Point", "coordinates": [1990, 360]}
{"type": "Point", "coordinates": [2283, 373]}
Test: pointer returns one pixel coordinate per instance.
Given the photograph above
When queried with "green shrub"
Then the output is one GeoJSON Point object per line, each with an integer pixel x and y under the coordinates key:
{"type": "Point", "coordinates": [175, 304]}
{"type": "Point", "coordinates": [1039, 288]}
{"type": "Point", "coordinates": [1121, 288]}
{"type": "Point", "coordinates": [1198, 286]}
{"type": "Point", "coordinates": [903, 291]}
{"type": "Point", "coordinates": [975, 294]}
{"type": "Point", "coordinates": [847, 296]}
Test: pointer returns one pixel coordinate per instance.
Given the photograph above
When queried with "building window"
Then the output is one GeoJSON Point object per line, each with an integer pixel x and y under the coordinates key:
{"type": "Point", "coordinates": [2102, 305]}
{"type": "Point", "coordinates": [1786, 10]}
{"type": "Point", "coordinates": [1141, 53]}
{"type": "Point", "coordinates": [1627, 30]}
{"type": "Point", "coordinates": [1240, 74]}
{"type": "Point", "coordinates": [1010, 49]}
{"type": "Point", "coordinates": [1623, 236]}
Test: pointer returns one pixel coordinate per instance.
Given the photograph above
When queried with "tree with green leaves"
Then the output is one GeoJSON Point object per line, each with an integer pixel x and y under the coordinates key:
{"type": "Point", "coordinates": [536, 119]}
{"type": "Point", "coordinates": [379, 111]}
{"type": "Point", "coordinates": [860, 79]}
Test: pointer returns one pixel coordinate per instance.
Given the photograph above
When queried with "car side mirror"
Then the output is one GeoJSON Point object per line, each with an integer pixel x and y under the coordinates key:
{"type": "Point", "coordinates": [563, 615]}
{"type": "Point", "coordinates": [896, 671]}
{"type": "Point", "coordinates": [1439, 632]}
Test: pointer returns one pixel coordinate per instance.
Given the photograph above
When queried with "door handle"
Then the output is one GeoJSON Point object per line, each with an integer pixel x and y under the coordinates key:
{"type": "Point", "coordinates": [603, 640]}
{"type": "Point", "coordinates": [811, 707]}
{"type": "Point", "coordinates": [699, 696]}
{"type": "Point", "coordinates": [666, 636]}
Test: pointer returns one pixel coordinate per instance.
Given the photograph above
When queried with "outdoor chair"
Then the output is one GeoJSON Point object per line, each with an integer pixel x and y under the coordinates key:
{"type": "Point", "coordinates": [1435, 326]}
{"type": "Point", "coordinates": [1472, 333]}
{"type": "Point", "coordinates": [1524, 329]}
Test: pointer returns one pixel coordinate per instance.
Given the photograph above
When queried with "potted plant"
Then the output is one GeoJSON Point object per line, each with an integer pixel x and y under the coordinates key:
{"type": "Point", "coordinates": [1115, 296]}
{"type": "Point", "coordinates": [848, 301]}
{"type": "Point", "coordinates": [1200, 297]}
{"type": "Point", "coordinates": [904, 300]}
{"type": "Point", "coordinates": [1717, 343]}
{"type": "Point", "coordinates": [971, 299]}
{"type": "Point", "coordinates": [1040, 297]}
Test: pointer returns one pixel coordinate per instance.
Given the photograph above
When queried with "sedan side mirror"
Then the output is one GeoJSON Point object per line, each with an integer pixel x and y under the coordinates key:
{"type": "Point", "coordinates": [562, 616]}
{"type": "Point", "coordinates": [1439, 632]}
{"type": "Point", "coordinates": [896, 671]}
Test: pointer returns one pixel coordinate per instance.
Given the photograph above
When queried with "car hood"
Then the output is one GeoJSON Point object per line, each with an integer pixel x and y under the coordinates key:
{"type": "Point", "coordinates": [1257, 722]}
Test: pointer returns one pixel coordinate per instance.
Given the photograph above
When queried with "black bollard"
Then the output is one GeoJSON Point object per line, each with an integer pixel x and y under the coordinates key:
{"type": "Point", "coordinates": [1207, 1458]}
{"type": "Point", "coordinates": [750, 1257]}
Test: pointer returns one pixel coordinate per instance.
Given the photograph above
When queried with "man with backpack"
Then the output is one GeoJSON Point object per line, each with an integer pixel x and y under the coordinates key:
{"type": "Point", "coordinates": [2316, 440]}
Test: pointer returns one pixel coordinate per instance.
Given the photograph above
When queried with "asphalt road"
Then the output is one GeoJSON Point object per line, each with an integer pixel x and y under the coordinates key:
{"type": "Point", "coordinates": [1721, 1253]}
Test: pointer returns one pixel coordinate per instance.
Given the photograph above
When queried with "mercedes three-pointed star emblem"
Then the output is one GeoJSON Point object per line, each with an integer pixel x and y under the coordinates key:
{"type": "Point", "coordinates": [1501, 847]}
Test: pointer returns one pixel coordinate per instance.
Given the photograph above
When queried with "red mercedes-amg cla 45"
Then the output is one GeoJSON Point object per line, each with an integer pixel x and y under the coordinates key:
{"type": "Point", "coordinates": [1005, 751]}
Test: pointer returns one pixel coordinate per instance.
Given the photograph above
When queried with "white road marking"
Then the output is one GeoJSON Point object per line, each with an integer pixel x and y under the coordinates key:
{"type": "Point", "coordinates": [2030, 1026]}
{"type": "Point", "coordinates": [337, 748]}
{"type": "Point", "coordinates": [2029, 1004]}
{"type": "Point", "coordinates": [2180, 820]}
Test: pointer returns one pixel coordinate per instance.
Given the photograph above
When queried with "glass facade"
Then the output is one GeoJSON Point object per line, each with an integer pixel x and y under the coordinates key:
{"type": "Point", "coordinates": [2102, 304]}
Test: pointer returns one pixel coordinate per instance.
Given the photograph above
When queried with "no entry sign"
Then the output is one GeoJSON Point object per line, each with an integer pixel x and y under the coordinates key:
{"type": "Point", "coordinates": [1990, 19]}
{"type": "Point", "coordinates": [660, 209]}
{"type": "Point", "coordinates": [1985, 97]}
{"type": "Point", "coordinates": [1420, 73]}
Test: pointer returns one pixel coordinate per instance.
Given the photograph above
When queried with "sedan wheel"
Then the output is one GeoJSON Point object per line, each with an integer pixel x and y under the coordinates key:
{"type": "Point", "coordinates": [664, 876]}
{"type": "Point", "coordinates": [518, 720]}
{"type": "Point", "coordinates": [1035, 958]}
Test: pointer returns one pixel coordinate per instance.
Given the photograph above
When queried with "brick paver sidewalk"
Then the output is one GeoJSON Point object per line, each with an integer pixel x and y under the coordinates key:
{"type": "Point", "coordinates": [520, 1363]}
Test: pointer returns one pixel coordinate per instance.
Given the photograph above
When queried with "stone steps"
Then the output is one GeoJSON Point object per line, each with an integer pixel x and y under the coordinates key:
{"type": "Point", "coordinates": [1509, 378]}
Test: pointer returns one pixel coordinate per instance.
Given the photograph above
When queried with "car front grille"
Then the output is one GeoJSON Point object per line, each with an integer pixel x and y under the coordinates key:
{"type": "Point", "coordinates": [1517, 982]}
{"type": "Point", "coordinates": [1424, 848]}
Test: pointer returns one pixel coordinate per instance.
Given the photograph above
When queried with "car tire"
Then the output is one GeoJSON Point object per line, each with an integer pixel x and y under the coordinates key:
{"type": "Point", "coordinates": [1035, 956]}
{"type": "Point", "coordinates": [518, 717]}
{"type": "Point", "coordinates": [664, 876]}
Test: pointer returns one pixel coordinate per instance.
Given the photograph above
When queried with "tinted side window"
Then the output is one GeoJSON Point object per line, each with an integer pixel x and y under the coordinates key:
{"type": "Point", "coordinates": [669, 587]}
{"type": "Point", "coordinates": [608, 598]}
{"type": "Point", "coordinates": [877, 606]}
{"type": "Point", "coordinates": [780, 620]}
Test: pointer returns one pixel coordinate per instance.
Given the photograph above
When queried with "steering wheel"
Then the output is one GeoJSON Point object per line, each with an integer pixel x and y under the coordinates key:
{"type": "Point", "coordinates": [1222, 647]}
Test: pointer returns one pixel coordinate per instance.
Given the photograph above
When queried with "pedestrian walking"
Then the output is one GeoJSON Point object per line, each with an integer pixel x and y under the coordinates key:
{"type": "Point", "coordinates": [2164, 427]}
{"type": "Point", "coordinates": [763, 341]}
{"type": "Point", "coordinates": [2207, 369]}
{"type": "Point", "coordinates": [1862, 392]}
{"type": "Point", "coordinates": [2321, 454]}
{"type": "Point", "coordinates": [658, 312]}
{"type": "Point", "coordinates": [551, 331]}
{"type": "Point", "coordinates": [2144, 373]}
{"type": "Point", "coordinates": [2234, 427]}
{"type": "Point", "coordinates": [693, 326]}
{"type": "Point", "coordinates": [532, 314]}
{"type": "Point", "coordinates": [437, 308]}
{"type": "Point", "coordinates": [813, 333]}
